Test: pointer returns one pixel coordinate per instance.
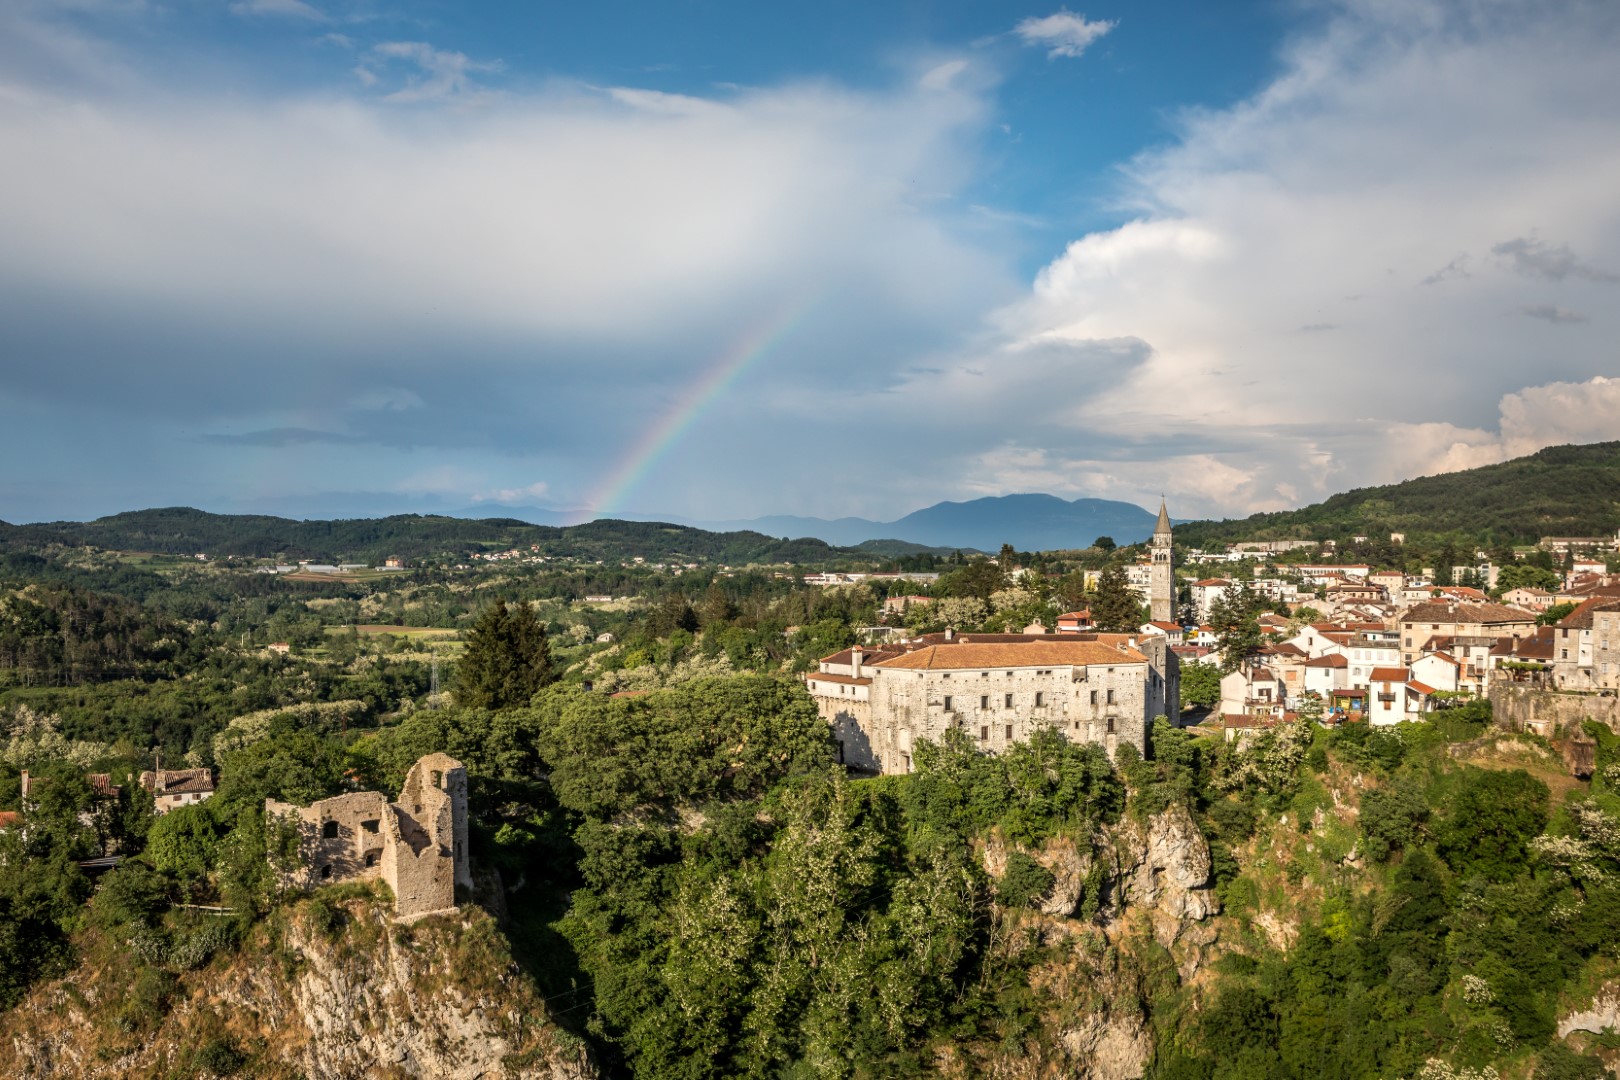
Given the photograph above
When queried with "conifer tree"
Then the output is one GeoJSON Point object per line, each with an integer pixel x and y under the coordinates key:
{"type": "Point", "coordinates": [1115, 608]}
{"type": "Point", "coordinates": [507, 661]}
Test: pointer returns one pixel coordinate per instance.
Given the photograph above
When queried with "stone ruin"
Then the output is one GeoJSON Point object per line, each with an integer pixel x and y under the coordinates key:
{"type": "Point", "coordinates": [418, 845]}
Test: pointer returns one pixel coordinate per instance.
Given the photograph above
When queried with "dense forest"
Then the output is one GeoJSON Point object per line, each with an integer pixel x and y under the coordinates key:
{"type": "Point", "coordinates": [183, 531]}
{"type": "Point", "coordinates": [1559, 491]}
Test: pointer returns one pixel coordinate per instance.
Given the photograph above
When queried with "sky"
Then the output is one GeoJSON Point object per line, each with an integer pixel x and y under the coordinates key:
{"type": "Point", "coordinates": [714, 260]}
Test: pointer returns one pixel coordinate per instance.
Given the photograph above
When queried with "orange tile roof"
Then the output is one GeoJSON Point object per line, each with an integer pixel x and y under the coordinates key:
{"type": "Point", "coordinates": [847, 680]}
{"type": "Point", "coordinates": [1050, 652]}
{"type": "Point", "coordinates": [1421, 688]}
{"type": "Point", "coordinates": [1387, 674]}
{"type": "Point", "coordinates": [8, 818]}
{"type": "Point", "coordinates": [1331, 660]}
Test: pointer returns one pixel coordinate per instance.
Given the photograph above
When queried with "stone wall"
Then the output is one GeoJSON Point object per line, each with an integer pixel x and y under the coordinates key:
{"type": "Point", "coordinates": [909, 706]}
{"type": "Point", "coordinates": [418, 845]}
{"type": "Point", "coordinates": [1550, 713]}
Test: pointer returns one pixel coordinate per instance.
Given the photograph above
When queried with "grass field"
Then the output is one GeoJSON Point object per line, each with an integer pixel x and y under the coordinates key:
{"type": "Point", "coordinates": [372, 629]}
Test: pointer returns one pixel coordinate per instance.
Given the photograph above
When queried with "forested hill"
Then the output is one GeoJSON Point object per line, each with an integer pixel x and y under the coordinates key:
{"type": "Point", "coordinates": [184, 531]}
{"type": "Point", "coordinates": [1559, 491]}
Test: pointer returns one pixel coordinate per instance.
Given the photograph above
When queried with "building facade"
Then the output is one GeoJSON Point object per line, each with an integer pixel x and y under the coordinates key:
{"type": "Point", "coordinates": [998, 689]}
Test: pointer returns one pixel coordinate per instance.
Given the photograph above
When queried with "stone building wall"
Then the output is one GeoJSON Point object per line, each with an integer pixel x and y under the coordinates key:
{"type": "Point", "coordinates": [1551, 713]}
{"type": "Point", "coordinates": [909, 706]}
{"type": "Point", "coordinates": [418, 845]}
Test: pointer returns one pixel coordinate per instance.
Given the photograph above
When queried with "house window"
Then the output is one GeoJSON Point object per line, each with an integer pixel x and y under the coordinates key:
{"type": "Point", "coordinates": [369, 826]}
{"type": "Point", "coordinates": [1009, 732]}
{"type": "Point", "coordinates": [1040, 699]}
{"type": "Point", "coordinates": [329, 831]}
{"type": "Point", "coordinates": [947, 703]}
{"type": "Point", "coordinates": [984, 701]}
{"type": "Point", "coordinates": [1094, 697]}
{"type": "Point", "coordinates": [1008, 701]}
{"type": "Point", "coordinates": [984, 732]}
{"type": "Point", "coordinates": [1110, 697]}
{"type": "Point", "coordinates": [1110, 725]}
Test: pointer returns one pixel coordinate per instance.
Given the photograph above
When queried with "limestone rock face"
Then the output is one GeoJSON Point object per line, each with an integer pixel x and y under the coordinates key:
{"type": "Point", "coordinates": [1069, 864]}
{"type": "Point", "coordinates": [1109, 1048]}
{"type": "Point", "coordinates": [367, 998]}
{"type": "Point", "coordinates": [1166, 867]}
{"type": "Point", "coordinates": [1603, 1012]}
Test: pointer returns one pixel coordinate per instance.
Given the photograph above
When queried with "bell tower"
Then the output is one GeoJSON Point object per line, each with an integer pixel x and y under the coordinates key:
{"type": "Point", "coordinates": [1162, 576]}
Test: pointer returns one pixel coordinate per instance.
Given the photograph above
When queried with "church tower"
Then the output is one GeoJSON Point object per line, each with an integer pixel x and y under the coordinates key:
{"type": "Point", "coordinates": [1162, 577]}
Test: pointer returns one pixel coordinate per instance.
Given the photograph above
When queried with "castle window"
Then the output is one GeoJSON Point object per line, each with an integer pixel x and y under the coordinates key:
{"type": "Point", "coordinates": [329, 831]}
{"type": "Point", "coordinates": [369, 826]}
{"type": "Point", "coordinates": [326, 872]}
{"type": "Point", "coordinates": [438, 778]}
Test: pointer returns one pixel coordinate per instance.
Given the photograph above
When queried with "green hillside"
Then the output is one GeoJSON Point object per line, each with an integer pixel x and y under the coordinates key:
{"type": "Point", "coordinates": [1559, 491]}
{"type": "Point", "coordinates": [184, 531]}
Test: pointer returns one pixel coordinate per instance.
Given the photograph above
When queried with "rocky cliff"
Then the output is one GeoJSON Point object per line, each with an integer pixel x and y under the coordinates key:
{"type": "Point", "coordinates": [1134, 884]}
{"type": "Point", "coordinates": [321, 989]}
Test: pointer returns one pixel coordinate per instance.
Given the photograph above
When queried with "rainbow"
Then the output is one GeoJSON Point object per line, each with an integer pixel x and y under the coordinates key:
{"type": "Point", "coordinates": [655, 442]}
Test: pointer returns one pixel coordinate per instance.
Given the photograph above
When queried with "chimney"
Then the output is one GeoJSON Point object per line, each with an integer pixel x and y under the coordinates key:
{"type": "Point", "coordinates": [950, 633]}
{"type": "Point", "coordinates": [856, 655]}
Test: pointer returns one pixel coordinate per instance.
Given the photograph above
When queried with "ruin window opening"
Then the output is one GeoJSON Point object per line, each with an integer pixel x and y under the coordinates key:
{"type": "Point", "coordinates": [329, 831]}
{"type": "Point", "coordinates": [326, 872]}
{"type": "Point", "coordinates": [370, 826]}
{"type": "Point", "coordinates": [438, 778]}
{"type": "Point", "coordinates": [371, 858]}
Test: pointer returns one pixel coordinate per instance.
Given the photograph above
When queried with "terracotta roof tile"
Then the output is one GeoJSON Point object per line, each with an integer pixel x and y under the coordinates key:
{"type": "Point", "coordinates": [1037, 652]}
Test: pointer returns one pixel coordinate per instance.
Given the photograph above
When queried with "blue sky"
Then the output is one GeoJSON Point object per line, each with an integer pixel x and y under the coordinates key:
{"type": "Point", "coordinates": [325, 257]}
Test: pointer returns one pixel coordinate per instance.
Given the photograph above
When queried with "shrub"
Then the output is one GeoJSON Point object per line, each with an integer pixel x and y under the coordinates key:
{"type": "Point", "coordinates": [1025, 882]}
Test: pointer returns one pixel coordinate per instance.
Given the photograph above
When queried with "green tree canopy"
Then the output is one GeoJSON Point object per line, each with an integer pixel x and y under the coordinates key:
{"type": "Point", "coordinates": [1115, 607]}
{"type": "Point", "coordinates": [507, 661]}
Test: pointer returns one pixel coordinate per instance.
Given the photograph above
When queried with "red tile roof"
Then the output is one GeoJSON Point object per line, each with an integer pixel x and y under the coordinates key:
{"type": "Point", "coordinates": [1387, 674]}
{"type": "Point", "coordinates": [1038, 652]}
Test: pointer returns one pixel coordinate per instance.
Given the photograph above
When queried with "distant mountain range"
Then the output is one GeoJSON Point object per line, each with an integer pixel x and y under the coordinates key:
{"type": "Point", "coordinates": [1027, 522]}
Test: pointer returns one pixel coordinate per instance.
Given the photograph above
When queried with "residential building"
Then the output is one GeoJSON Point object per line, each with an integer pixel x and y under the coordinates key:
{"type": "Point", "coordinates": [172, 788]}
{"type": "Point", "coordinates": [1424, 621]}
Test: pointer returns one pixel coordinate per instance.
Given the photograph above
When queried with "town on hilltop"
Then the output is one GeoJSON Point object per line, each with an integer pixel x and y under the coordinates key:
{"type": "Point", "coordinates": [608, 765]}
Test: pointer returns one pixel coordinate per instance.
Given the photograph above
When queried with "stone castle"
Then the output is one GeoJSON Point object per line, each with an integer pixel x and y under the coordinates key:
{"type": "Point", "coordinates": [998, 689]}
{"type": "Point", "coordinates": [417, 845]}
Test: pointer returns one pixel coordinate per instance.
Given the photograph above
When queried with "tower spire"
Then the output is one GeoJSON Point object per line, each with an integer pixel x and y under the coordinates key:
{"type": "Point", "coordinates": [1164, 519]}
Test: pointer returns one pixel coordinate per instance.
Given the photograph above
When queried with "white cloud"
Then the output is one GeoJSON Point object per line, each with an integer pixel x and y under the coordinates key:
{"type": "Point", "coordinates": [443, 75]}
{"type": "Point", "coordinates": [293, 9]}
{"type": "Point", "coordinates": [1414, 179]}
{"type": "Point", "coordinates": [1063, 33]}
